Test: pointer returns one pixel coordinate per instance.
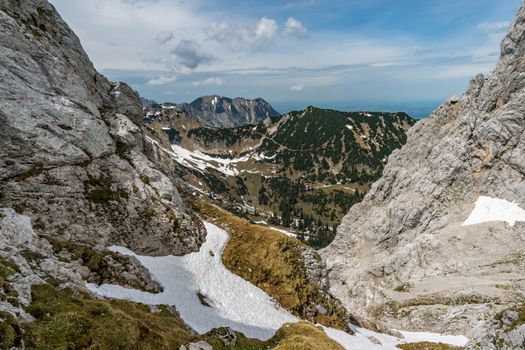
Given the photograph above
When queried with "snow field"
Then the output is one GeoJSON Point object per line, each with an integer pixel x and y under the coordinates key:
{"type": "Point", "coordinates": [233, 302]}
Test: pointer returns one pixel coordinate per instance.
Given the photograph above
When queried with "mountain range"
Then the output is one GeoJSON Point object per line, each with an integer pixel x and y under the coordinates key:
{"type": "Point", "coordinates": [128, 224]}
{"type": "Point", "coordinates": [303, 170]}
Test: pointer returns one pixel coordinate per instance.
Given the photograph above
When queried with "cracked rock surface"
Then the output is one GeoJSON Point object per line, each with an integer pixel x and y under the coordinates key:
{"type": "Point", "coordinates": [401, 258]}
{"type": "Point", "coordinates": [71, 145]}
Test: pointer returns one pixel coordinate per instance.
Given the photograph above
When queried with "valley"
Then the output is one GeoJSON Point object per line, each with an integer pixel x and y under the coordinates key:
{"type": "Point", "coordinates": [301, 171]}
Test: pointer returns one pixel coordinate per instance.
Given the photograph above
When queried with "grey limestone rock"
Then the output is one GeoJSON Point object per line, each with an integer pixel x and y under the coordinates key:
{"type": "Point", "coordinates": [401, 258]}
{"type": "Point", "coordinates": [71, 144]}
{"type": "Point", "coordinates": [224, 112]}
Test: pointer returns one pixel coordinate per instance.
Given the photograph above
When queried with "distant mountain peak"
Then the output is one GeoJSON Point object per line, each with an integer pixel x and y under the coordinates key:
{"type": "Point", "coordinates": [224, 112]}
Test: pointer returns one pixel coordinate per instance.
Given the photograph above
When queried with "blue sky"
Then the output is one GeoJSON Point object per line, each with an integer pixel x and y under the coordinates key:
{"type": "Point", "coordinates": [373, 54]}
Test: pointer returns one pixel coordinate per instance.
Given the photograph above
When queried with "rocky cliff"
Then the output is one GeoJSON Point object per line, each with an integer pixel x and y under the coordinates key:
{"type": "Point", "coordinates": [402, 258]}
{"type": "Point", "coordinates": [224, 112]}
{"type": "Point", "coordinates": [71, 144]}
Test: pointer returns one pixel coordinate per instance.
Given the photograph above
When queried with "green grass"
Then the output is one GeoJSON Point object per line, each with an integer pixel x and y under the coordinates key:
{"type": "Point", "coordinates": [7, 268]}
{"type": "Point", "coordinates": [100, 191]}
{"type": "Point", "coordinates": [520, 309]}
{"type": "Point", "coordinates": [10, 332]}
{"type": "Point", "coordinates": [74, 320]}
{"type": "Point", "coordinates": [304, 336]}
{"type": "Point", "coordinates": [68, 320]}
{"type": "Point", "coordinates": [31, 256]}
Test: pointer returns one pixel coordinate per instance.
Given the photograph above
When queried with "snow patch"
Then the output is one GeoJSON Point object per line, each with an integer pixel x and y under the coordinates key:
{"type": "Point", "coordinates": [495, 209]}
{"type": "Point", "coordinates": [366, 339]}
{"type": "Point", "coordinates": [234, 302]}
{"type": "Point", "coordinates": [198, 160]}
{"type": "Point", "coordinates": [414, 337]}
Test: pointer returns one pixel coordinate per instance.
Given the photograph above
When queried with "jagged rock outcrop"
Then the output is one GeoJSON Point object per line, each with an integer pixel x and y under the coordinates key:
{"type": "Point", "coordinates": [71, 144]}
{"type": "Point", "coordinates": [224, 112]}
{"type": "Point", "coordinates": [401, 258]}
{"type": "Point", "coordinates": [34, 260]}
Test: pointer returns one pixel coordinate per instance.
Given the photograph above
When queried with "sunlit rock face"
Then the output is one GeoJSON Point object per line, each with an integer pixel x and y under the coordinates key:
{"type": "Point", "coordinates": [402, 258]}
{"type": "Point", "coordinates": [71, 144]}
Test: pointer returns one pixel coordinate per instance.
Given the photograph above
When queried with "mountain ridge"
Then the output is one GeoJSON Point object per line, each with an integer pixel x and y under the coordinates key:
{"type": "Point", "coordinates": [405, 254]}
{"type": "Point", "coordinates": [220, 111]}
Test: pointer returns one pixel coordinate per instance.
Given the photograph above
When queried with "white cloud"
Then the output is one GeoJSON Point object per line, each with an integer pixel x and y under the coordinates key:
{"type": "Point", "coordinates": [259, 69]}
{"type": "Point", "coordinates": [465, 71]}
{"type": "Point", "coordinates": [295, 28]}
{"type": "Point", "coordinates": [164, 37]}
{"type": "Point", "coordinates": [234, 36]}
{"type": "Point", "coordinates": [162, 80]}
{"type": "Point", "coordinates": [381, 64]}
{"type": "Point", "coordinates": [188, 54]}
{"type": "Point", "coordinates": [494, 27]}
{"type": "Point", "coordinates": [297, 87]}
{"type": "Point", "coordinates": [238, 37]}
{"type": "Point", "coordinates": [139, 2]}
{"type": "Point", "coordinates": [209, 81]}
{"type": "Point", "coordinates": [265, 32]}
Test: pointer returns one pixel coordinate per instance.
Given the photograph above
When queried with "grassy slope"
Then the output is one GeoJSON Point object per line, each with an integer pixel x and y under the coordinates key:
{"type": "Point", "coordinates": [74, 320]}
{"type": "Point", "coordinates": [68, 320]}
{"type": "Point", "coordinates": [272, 261]}
{"type": "Point", "coordinates": [304, 336]}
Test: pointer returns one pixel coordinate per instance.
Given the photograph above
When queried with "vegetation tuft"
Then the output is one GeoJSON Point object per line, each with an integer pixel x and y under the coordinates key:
{"type": "Point", "coordinates": [100, 191]}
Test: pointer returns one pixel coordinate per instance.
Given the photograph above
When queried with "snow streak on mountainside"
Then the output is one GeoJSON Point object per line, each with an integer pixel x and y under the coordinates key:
{"type": "Point", "coordinates": [227, 300]}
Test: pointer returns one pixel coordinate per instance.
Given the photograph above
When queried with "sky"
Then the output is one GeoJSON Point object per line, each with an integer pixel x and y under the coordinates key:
{"type": "Point", "coordinates": [376, 54]}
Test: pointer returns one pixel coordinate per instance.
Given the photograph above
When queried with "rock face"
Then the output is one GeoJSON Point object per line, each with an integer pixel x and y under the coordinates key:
{"type": "Point", "coordinates": [71, 145]}
{"type": "Point", "coordinates": [401, 258]}
{"type": "Point", "coordinates": [223, 112]}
